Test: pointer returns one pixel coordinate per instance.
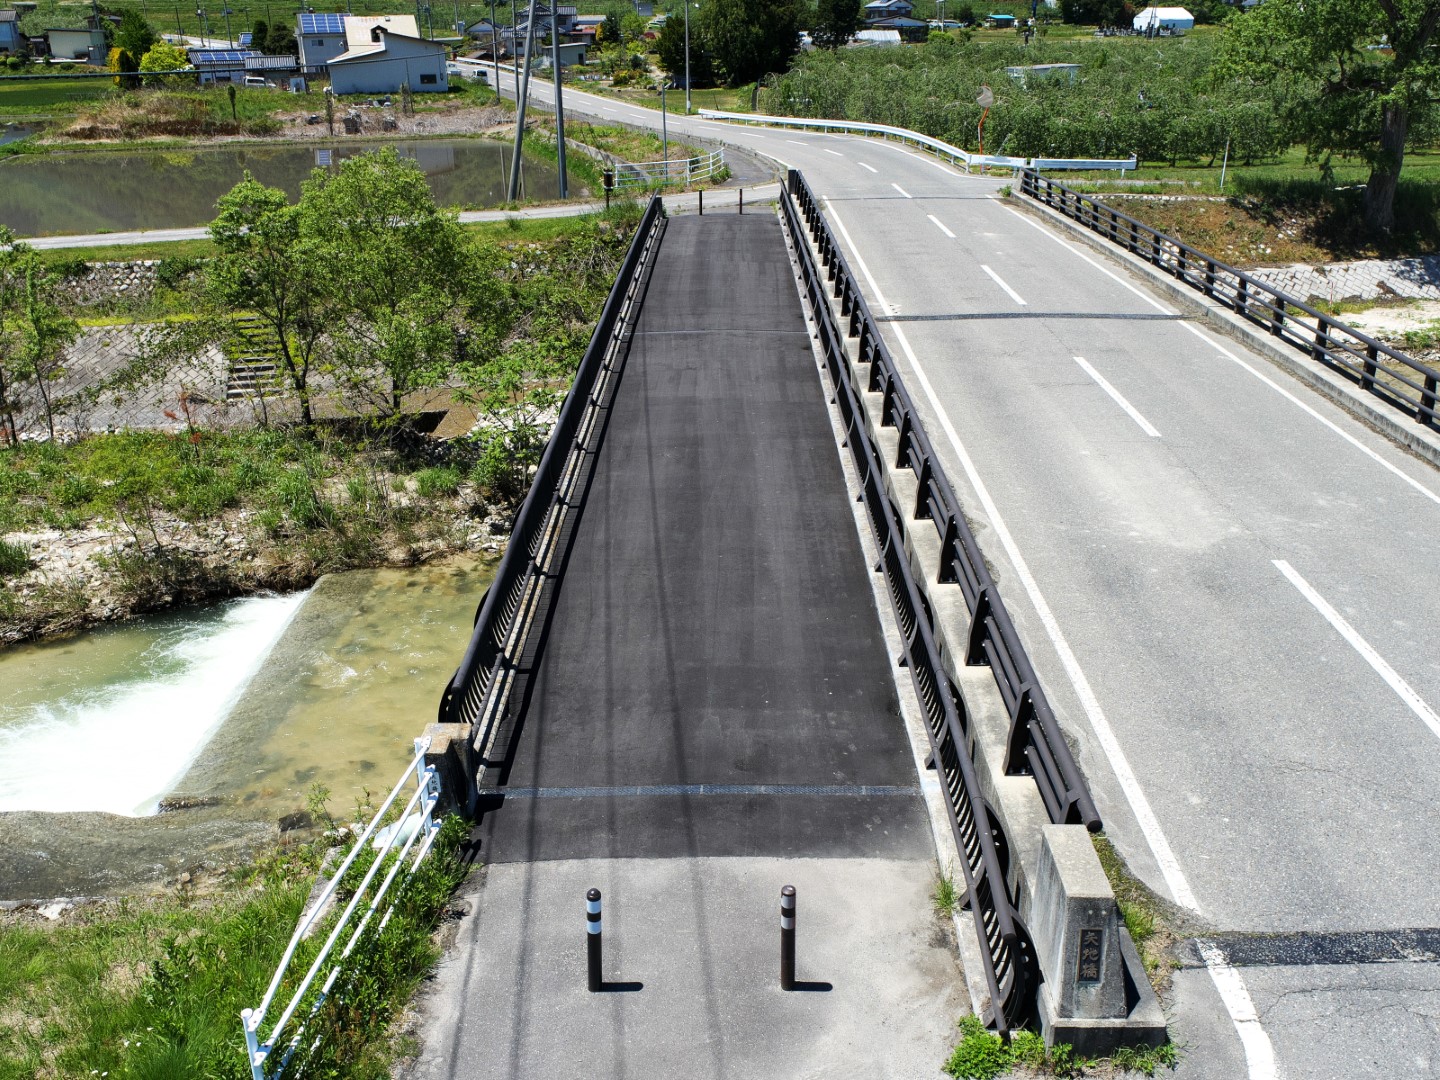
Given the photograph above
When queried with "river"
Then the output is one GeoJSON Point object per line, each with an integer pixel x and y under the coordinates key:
{"type": "Point", "coordinates": [102, 191]}
{"type": "Point", "coordinates": [241, 709]}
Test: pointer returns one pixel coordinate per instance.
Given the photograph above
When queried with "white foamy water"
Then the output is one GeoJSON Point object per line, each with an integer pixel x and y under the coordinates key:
{"type": "Point", "coordinates": [121, 747]}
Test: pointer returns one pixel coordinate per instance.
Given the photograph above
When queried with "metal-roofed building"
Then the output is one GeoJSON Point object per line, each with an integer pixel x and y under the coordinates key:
{"type": "Point", "coordinates": [388, 62]}
{"type": "Point", "coordinates": [219, 65]}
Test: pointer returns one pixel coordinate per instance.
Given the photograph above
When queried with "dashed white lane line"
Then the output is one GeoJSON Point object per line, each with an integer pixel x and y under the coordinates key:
{"type": "Point", "coordinates": [796, 142]}
{"type": "Point", "coordinates": [941, 226]}
{"type": "Point", "coordinates": [1392, 678]}
{"type": "Point", "coordinates": [996, 278]}
{"type": "Point", "coordinates": [902, 191]}
{"type": "Point", "coordinates": [835, 152]}
{"type": "Point", "coordinates": [870, 167]}
{"type": "Point", "coordinates": [1259, 1055]}
{"type": "Point", "coordinates": [1118, 397]}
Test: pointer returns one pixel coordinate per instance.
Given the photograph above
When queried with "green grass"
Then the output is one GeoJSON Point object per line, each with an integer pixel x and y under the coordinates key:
{"type": "Point", "coordinates": [14, 559]}
{"type": "Point", "coordinates": [982, 1055]}
{"type": "Point", "coordinates": [946, 897]}
{"type": "Point", "coordinates": [153, 988]}
{"type": "Point", "coordinates": [45, 97]}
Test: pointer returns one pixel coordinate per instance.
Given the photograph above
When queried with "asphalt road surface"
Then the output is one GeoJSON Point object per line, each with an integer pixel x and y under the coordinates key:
{"type": "Point", "coordinates": [1230, 587]}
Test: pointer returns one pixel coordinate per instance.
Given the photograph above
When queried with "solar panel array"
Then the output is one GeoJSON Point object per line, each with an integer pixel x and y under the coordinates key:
{"type": "Point", "coordinates": [245, 40]}
{"type": "Point", "coordinates": [322, 24]}
{"type": "Point", "coordinates": [220, 57]}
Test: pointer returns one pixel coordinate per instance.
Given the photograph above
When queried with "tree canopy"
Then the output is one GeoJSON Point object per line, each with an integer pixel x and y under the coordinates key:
{"type": "Point", "coordinates": [1353, 77]}
{"type": "Point", "coordinates": [835, 22]}
{"type": "Point", "coordinates": [749, 39]}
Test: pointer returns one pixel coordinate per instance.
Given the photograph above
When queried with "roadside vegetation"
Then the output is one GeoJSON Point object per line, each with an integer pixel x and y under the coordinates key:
{"type": "Point", "coordinates": [150, 988]}
{"type": "Point", "coordinates": [982, 1055]}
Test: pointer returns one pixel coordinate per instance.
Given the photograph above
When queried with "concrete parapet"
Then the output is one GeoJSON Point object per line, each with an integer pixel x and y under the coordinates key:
{"type": "Point", "coordinates": [451, 754]}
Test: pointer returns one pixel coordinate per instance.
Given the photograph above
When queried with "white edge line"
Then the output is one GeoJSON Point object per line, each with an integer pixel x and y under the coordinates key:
{"type": "Point", "coordinates": [1259, 1054]}
{"type": "Point", "coordinates": [941, 226]}
{"type": "Point", "coordinates": [1403, 689]}
{"type": "Point", "coordinates": [1416, 484]}
{"type": "Point", "coordinates": [1159, 845]}
{"type": "Point", "coordinates": [1118, 397]}
{"type": "Point", "coordinates": [901, 190]}
{"type": "Point", "coordinates": [870, 167]}
{"type": "Point", "coordinates": [996, 278]}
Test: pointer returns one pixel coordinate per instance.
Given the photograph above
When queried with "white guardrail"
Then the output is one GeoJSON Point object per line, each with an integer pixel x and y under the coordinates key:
{"type": "Point", "coordinates": [940, 149]}
{"type": "Point", "coordinates": [647, 174]}
{"type": "Point", "coordinates": [415, 823]}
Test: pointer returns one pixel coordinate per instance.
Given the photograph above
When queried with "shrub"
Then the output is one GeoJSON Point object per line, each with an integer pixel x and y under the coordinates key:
{"type": "Point", "coordinates": [437, 481]}
{"type": "Point", "coordinates": [171, 272]}
{"type": "Point", "coordinates": [980, 1054]}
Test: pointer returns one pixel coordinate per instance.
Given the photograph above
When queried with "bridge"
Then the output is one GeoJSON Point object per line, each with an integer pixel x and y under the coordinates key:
{"type": "Point", "coordinates": [1226, 584]}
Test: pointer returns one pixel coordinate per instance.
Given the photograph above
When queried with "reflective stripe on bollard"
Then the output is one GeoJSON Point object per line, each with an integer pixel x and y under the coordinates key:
{"type": "Point", "coordinates": [592, 939]}
{"type": "Point", "coordinates": [787, 938]}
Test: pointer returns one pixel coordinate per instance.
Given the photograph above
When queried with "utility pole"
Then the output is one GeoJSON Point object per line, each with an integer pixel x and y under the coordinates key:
{"type": "Point", "coordinates": [495, 48]}
{"type": "Point", "coordinates": [559, 98]}
{"type": "Point", "coordinates": [514, 189]}
{"type": "Point", "coordinates": [514, 59]}
{"type": "Point", "coordinates": [229, 36]}
{"type": "Point", "coordinates": [687, 57]}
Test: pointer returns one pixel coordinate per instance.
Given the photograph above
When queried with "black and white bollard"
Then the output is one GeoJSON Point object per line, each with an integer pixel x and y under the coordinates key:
{"type": "Point", "coordinates": [787, 938]}
{"type": "Point", "coordinates": [592, 939]}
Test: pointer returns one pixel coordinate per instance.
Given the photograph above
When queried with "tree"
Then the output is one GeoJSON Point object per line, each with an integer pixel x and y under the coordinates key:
{"type": "Point", "coordinates": [124, 65]}
{"type": "Point", "coordinates": [14, 258]}
{"type": "Point", "coordinates": [266, 265]}
{"type": "Point", "coordinates": [751, 38]}
{"type": "Point", "coordinates": [33, 330]}
{"type": "Point", "coordinates": [835, 22]}
{"type": "Point", "coordinates": [399, 270]}
{"type": "Point", "coordinates": [670, 47]}
{"type": "Point", "coordinates": [135, 35]}
{"type": "Point", "coordinates": [259, 34]}
{"type": "Point", "coordinates": [280, 41]}
{"type": "Point", "coordinates": [1339, 94]}
{"type": "Point", "coordinates": [162, 56]}
{"type": "Point", "coordinates": [1093, 12]}
{"type": "Point", "coordinates": [632, 27]}
{"type": "Point", "coordinates": [610, 31]}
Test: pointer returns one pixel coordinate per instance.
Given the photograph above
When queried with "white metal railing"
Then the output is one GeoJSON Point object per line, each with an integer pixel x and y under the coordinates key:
{"type": "Point", "coordinates": [938, 147]}
{"type": "Point", "coordinates": [420, 808]}
{"type": "Point", "coordinates": [646, 174]}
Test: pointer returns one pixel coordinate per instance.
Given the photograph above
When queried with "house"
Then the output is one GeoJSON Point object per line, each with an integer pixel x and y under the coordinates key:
{"type": "Point", "coordinates": [872, 38]}
{"type": "Point", "coordinates": [321, 38]}
{"type": "Point", "coordinates": [887, 9]}
{"type": "Point", "coordinates": [220, 65]}
{"type": "Point", "coordinates": [11, 40]}
{"type": "Point", "coordinates": [388, 61]}
{"type": "Point", "coordinates": [72, 44]}
{"type": "Point", "coordinates": [908, 29]}
{"type": "Point", "coordinates": [1169, 19]}
{"type": "Point", "coordinates": [571, 53]}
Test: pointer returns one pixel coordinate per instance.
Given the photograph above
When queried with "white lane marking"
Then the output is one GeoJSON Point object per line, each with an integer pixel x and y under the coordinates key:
{"type": "Point", "coordinates": [1104, 270]}
{"type": "Point", "coordinates": [902, 191]}
{"type": "Point", "coordinates": [1416, 484]}
{"type": "Point", "coordinates": [1392, 677]}
{"type": "Point", "coordinates": [835, 152]}
{"type": "Point", "coordinates": [996, 278]}
{"type": "Point", "coordinates": [1118, 397]}
{"type": "Point", "coordinates": [796, 142]}
{"type": "Point", "coordinates": [870, 167]}
{"type": "Point", "coordinates": [940, 225]}
{"type": "Point", "coordinates": [1258, 1052]}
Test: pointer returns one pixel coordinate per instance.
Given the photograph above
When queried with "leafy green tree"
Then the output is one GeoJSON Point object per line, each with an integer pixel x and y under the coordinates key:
{"type": "Point", "coordinates": [749, 39]}
{"type": "Point", "coordinates": [670, 47]}
{"type": "Point", "coordinates": [34, 331]}
{"type": "Point", "coordinates": [259, 34]}
{"type": "Point", "coordinates": [162, 56]}
{"type": "Point", "coordinates": [611, 32]}
{"type": "Point", "coordinates": [280, 41]}
{"type": "Point", "coordinates": [265, 264]}
{"type": "Point", "coordinates": [632, 27]}
{"type": "Point", "coordinates": [835, 22]}
{"type": "Point", "coordinates": [1093, 12]}
{"type": "Point", "coordinates": [14, 257]}
{"type": "Point", "coordinates": [134, 34]}
{"type": "Point", "coordinates": [1340, 93]}
{"type": "Point", "coordinates": [400, 270]}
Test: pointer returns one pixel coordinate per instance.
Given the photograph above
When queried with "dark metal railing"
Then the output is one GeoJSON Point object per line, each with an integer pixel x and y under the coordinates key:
{"type": "Point", "coordinates": [1011, 970]}
{"type": "Point", "coordinates": [1036, 744]}
{"type": "Point", "coordinates": [476, 693]}
{"type": "Point", "coordinates": [1399, 380]}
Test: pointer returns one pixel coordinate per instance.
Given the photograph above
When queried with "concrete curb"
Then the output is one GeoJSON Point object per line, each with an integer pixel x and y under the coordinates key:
{"type": "Point", "coordinates": [1390, 423]}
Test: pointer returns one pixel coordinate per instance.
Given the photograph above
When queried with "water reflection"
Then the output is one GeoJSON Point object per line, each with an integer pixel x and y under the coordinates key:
{"type": "Point", "coordinates": [158, 189]}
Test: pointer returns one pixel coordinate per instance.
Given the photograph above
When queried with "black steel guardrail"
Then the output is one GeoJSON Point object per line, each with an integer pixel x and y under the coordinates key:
{"type": "Point", "coordinates": [1036, 744]}
{"type": "Point", "coordinates": [1399, 380]}
{"type": "Point", "coordinates": [476, 691]}
{"type": "Point", "coordinates": [1011, 969]}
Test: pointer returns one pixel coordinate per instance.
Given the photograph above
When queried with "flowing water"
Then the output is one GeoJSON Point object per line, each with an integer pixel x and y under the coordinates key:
{"type": "Point", "coordinates": [238, 710]}
{"type": "Point", "coordinates": [88, 192]}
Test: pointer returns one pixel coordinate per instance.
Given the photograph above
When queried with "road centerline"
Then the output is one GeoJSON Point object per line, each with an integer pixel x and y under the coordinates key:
{"type": "Point", "coordinates": [901, 190]}
{"type": "Point", "coordinates": [870, 167]}
{"type": "Point", "coordinates": [941, 226]}
{"type": "Point", "coordinates": [1118, 397]}
{"type": "Point", "coordinates": [1393, 679]}
{"type": "Point", "coordinates": [829, 151]}
{"type": "Point", "coordinates": [998, 281]}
